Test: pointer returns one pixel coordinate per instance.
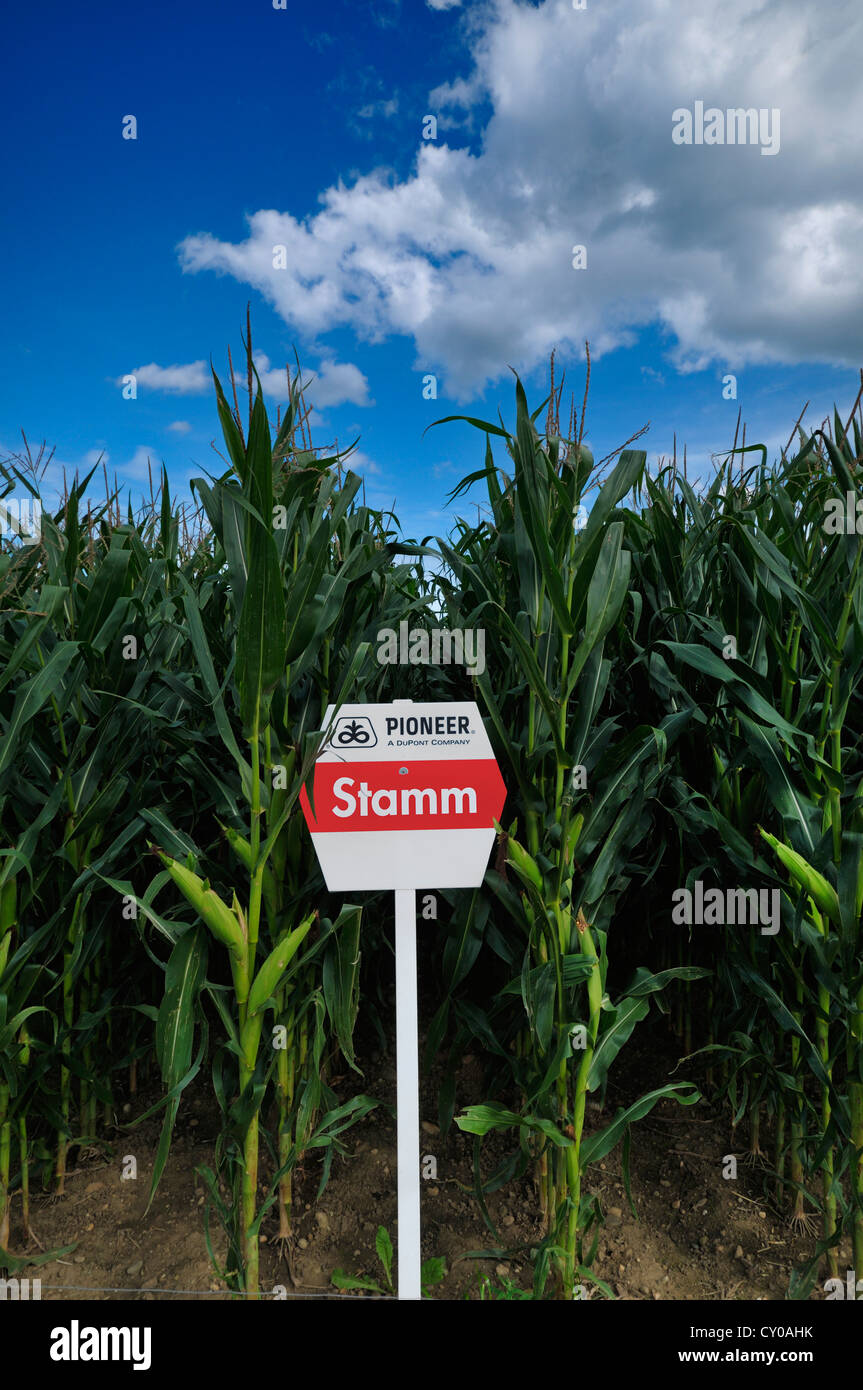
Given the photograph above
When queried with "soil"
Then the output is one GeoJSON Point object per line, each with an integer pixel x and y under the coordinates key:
{"type": "Point", "coordinates": [696, 1234]}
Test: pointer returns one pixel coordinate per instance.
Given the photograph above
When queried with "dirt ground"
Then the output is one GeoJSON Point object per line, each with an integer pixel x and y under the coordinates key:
{"type": "Point", "coordinates": [696, 1235]}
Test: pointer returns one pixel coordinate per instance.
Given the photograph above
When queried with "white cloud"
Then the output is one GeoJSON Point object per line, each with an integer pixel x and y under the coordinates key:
{"type": "Point", "coordinates": [444, 469]}
{"type": "Point", "coordinates": [337, 383]}
{"type": "Point", "coordinates": [460, 92]}
{"type": "Point", "coordinates": [653, 375]}
{"type": "Point", "coordinates": [96, 456]}
{"type": "Point", "coordinates": [137, 469]}
{"type": "Point", "coordinates": [179, 427]}
{"type": "Point", "coordinates": [331, 383]}
{"type": "Point", "coordinates": [442, 4]}
{"type": "Point", "coordinates": [738, 258]}
{"type": "Point", "coordinates": [189, 379]}
{"type": "Point", "coordinates": [360, 463]}
{"type": "Point", "coordinates": [386, 107]}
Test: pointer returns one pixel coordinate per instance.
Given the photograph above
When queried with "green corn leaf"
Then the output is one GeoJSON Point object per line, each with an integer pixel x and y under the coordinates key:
{"type": "Point", "coordinates": [479, 1119]}
{"type": "Point", "coordinates": [175, 1028]}
{"type": "Point", "coordinates": [597, 1145]}
{"type": "Point", "coordinates": [340, 979]}
{"type": "Point", "coordinates": [615, 1028]}
{"type": "Point", "coordinates": [32, 695]}
{"type": "Point", "coordinates": [534, 678]}
{"type": "Point", "coordinates": [608, 585]}
{"type": "Point", "coordinates": [208, 673]}
{"type": "Point", "coordinates": [107, 587]}
{"type": "Point", "coordinates": [230, 430]}
{"type": "Point", "coordinates": [175, 1031]}
{"type": "Point", "coordinates": [261, 632]}
{"type": "Point", "coordinates": [643, 982]}
{"type": "Point", "coordinates": [624, 477]}
{"type": "Point", "coordinates": [48, 604]}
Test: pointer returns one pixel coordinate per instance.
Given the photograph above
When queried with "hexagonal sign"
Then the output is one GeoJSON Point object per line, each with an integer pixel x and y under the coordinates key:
{"type": "Point", "coordinates": [405, 795]}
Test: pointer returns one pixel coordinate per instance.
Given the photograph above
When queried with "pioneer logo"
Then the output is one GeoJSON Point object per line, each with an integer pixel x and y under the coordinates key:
{"type": "Point", "coordinates": [354, 731]}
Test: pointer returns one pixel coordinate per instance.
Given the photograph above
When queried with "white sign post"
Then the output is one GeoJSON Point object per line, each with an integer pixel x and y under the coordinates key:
{"type": "Point", "coordinates": [407, 1095]}
{"type": "Point", "coordinates": [405, 796]}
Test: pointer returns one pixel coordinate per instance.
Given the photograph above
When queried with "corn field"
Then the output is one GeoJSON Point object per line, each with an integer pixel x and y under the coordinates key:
{"type": "Point", "coordinates": [672, 686]}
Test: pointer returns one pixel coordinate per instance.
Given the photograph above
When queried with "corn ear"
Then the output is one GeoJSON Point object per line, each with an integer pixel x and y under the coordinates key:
{"type": "Point", "coordinates": [223, 923]}
{"type": "Point", "coordinates": [8, 910]}
{"type": "Point", "coordinates": [726, 804]}
{"type": "Point", "coordinates": [243, 850]}
{"type": "Point", "coordinates": [525, 866]}
{"type": "Point", "coordinates": [8, 905]}
{"type": "Point", "coordinates": [273, 968]}
{"type": "Point", "coordinates": [573, 834]}
{"type": "Point", "coordinates": [822, 893]}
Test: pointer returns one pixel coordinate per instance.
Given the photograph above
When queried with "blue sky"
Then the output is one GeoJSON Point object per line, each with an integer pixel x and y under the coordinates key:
{"type": "Point", "coordinates": [303, 127]}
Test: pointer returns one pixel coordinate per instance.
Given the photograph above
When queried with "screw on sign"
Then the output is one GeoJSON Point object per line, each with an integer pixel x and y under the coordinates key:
{"type": "Point", "coordinates": [405, 796]}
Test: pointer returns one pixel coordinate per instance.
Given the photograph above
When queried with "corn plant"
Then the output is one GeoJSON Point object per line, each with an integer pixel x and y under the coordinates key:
{"type": "Point", "coordinates": [79, 758]}
{"type": "Point", "coordinates": [760, 569]}
{"type": "Point", "coordinates": [295, 588]}
{"type": "Point", "coordinates": [551, 597]}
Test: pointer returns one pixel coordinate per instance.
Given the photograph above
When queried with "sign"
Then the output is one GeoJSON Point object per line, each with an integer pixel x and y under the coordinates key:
{"type": "Point", "coordinates": [405, 797]}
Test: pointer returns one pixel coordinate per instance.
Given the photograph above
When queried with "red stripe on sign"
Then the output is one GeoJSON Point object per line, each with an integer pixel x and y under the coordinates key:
{"type": "Point", "coordinates": [467, 795]}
